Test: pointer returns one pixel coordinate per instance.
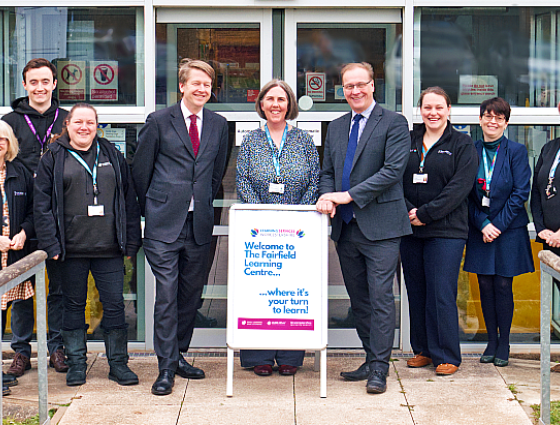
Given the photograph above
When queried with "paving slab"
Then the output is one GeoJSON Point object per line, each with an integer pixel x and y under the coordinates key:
{"type": "Point", "coordinates": [476, 394]}
{"type": "Point", "coordinates": [347, 402]}
{"type": "Point", "coordinates": [262, 400]}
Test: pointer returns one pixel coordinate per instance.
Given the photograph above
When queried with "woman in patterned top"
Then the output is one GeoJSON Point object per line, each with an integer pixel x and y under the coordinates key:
{"type": "Point", "coordinates": [277, 164]}
{"type": "Point", "coordinates": [16, 185]}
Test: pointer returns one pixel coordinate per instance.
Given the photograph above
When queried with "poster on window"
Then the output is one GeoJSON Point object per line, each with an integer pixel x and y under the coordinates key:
{"type": "Point", "coordinates": [477, 88]}
{"type": "Point", "coordinates": [277, 280]}
{"type": "Point", "coordinates": [71, 80]}
{"type": "Point", "coordinates": [104, 80]}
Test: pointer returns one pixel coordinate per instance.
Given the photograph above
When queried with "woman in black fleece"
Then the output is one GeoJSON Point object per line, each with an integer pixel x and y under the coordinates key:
{"type": "Point", "coordinates": [89, 219]}
{"type": "Point", "coordinates": [437, 180]}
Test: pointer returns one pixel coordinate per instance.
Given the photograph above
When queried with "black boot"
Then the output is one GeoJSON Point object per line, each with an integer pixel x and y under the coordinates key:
{"type": "Point", "coordinates": [117, 355]}
{"type": "Point", "coordinates": [76, 348]}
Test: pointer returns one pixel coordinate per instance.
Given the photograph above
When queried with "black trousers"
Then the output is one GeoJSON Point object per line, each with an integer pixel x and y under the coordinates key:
{"type": "Point", "coordinates": [368, 268]}
{"type": "Point", "coordinates": [181, 271]}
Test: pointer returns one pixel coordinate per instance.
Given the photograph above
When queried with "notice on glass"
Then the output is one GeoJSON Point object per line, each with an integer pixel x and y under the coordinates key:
{"type": "Point", "coordinates": [276, 279]}
{"type": "Point", "coordinates": [104, 80]}
{"type": "Point", "coordinates": [315, 85]}
{"type": "Point", "coordinates": [71, 80]}
{"type": "Point", "coordinates": [477, 88]}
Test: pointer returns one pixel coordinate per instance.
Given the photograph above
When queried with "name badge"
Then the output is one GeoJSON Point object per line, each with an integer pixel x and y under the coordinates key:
{"type": "Point", "coordinates": [95, 210]}
{"type": "Point", "coordinates": [276, 188]}
{"type": "Point", "coordinates": [419, 178]}
{"type": "Point", "coordinates": [486, 201]}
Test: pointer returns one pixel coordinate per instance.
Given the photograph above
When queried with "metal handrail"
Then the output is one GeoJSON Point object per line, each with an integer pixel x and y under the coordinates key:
{"type": "Point", "coordinates": [550, 268]}
{"type": "Point", "coordinates": [10, 277]}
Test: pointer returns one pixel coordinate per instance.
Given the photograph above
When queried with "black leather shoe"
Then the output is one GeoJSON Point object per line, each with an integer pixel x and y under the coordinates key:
{"type": "Point", "coordinates": [377, 382]}
{"type": "Point", "coordinates": [8, 380]}
{"type": "Point", "coordinates": [360, 374]}
{"type": "Point", "coordinates": [187, 371]}
{"type": "Point", "coordinates": [164, 382]}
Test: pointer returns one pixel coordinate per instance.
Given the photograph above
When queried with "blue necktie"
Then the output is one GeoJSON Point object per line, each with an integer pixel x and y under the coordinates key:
{"type": "Point", "coordinates": [346, 212]}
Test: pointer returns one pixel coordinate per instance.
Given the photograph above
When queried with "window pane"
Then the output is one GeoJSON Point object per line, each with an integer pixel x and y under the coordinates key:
{"type": "Point", "coordinates": [478, 53]}
{"type": "Point", "coordinates": [95, 49]}
{"type": "Point", "coordinates": [232, 49]}
{"type": "Point", "coordinates": [325, 48]}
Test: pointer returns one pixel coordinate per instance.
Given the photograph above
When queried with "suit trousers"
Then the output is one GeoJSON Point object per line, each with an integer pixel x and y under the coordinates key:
{"type": "Point", "coordinates": [431, 269]}
{"type": "Point", "coordinates": [181, 271]}
{"type": "Point", "coordinates": [368, 268]}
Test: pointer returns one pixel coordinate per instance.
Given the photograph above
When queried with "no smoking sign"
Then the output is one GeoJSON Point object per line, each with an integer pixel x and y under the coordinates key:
{"type": "Point", "coordinates": [315, 85]}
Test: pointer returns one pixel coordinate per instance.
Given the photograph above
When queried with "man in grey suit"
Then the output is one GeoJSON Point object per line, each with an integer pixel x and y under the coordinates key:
{"type": "Point", "coordinates": [366, 152]}
{"type": "Point", "coordinates": [177, 171]}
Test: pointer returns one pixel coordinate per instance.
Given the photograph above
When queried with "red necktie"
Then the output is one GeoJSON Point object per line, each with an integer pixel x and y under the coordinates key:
{"type": "Point", "coordinates": [193, 134]}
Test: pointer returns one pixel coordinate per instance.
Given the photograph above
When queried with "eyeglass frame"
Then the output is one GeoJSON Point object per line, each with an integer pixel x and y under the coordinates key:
{"type": "Point", "coordinates": [360, 86]}
{"type": "Point", "coordinates": [489, 118]}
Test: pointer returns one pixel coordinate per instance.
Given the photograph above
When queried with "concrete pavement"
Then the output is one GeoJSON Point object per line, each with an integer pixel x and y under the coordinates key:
{"type": "Point", "coordinates": [476, 394]}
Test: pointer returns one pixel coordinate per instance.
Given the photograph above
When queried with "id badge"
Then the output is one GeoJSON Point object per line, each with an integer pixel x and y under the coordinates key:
{"type": "Point", "coordinates": [276, 188]}
{"type": "Point", "coordinates": [486, 201]}
{"type": "Point", "coordinates": [419, 178]}
{"type": "Point", "coordinates": [95, 210]}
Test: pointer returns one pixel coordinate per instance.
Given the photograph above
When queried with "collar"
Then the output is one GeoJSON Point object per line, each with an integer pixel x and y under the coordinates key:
{"type": "Point", "coordinates": [367, 112]}
{"type": "Point", "coordinates": [187, 113]}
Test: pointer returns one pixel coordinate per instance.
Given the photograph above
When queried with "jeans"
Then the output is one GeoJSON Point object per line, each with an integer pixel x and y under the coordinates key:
{"type": "Point", "coordinates": [109, 275]}
{"type": "Point", "coordinates": [22, 321]}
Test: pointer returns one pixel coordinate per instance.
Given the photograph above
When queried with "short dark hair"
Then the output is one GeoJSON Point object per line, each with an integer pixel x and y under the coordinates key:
{"type": "Point", "coordinates": [292, 112]}
{"type": "Point", "coordinates": [497, 105]}
{"type": "Point", "coordinates": [38, 63]}
{"type": "Point", "coordinates": [434, 90]}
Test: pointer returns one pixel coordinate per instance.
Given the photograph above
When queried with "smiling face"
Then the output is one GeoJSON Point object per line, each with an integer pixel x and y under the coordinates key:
{"type": "Point", "coordinates": [493, 125]}
{"type": "Point", "coordinates": [275, 105]}
{"type": "Point", "coordinates": [82, 128]}
{"type": "Point", "coordinates": [39, 83]}
{"type": "Point", "coordinates": [196, 90]}
{"type": "Point", "coordinates": [434, 111]}
{"type": "Point", "coordinates": [359, 98]}
{"type": "Point", "coordinates": [4, 145]}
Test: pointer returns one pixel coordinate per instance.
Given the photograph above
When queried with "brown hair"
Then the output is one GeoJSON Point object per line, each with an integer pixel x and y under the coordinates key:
{"type": "Point", "coordinates": [7, 132]}
{"type": "Point", "coordinates": [36, 64]}
{"type": "Point", "coordinates": [363, 65]}
{"type": "Point", "coordinates": [434, 90]}
{"type": "Point", "coordinates": [497, 105]}
{"type": "Point", "coordinates": [69, 117]}
{"type": "Point", "coordinates": [292, 112]}
{"type": "Point", "coordinates": [187, 65]}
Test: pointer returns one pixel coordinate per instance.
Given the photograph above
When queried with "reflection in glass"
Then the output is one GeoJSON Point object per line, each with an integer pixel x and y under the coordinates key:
{"type": "Point", "coordinates": [233, 51]}
{"type": "Point", "coordinates": [82, 38]}
{"type": "Point", "coordinates": [478, 53]}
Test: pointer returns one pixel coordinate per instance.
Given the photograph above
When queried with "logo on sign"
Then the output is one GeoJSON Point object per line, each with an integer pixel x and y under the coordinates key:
{"type": "Point", "coordinates": [278, 233]}
{"type": "Point", "coordinates": [103, 74]}
{"type": "Point", "coordinates": [254, 232]}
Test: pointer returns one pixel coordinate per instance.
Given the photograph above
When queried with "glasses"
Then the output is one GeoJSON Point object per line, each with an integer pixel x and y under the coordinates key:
{"type": "Point", "coordinates": [359, 86]}
{"type": "Point", "coordinates": [499, 119]}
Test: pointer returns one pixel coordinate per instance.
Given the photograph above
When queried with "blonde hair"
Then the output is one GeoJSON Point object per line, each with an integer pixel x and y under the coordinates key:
{"type": "Point", "coordinates": [187, 65]}
{"type": "Point", "coordinates": [6, 132]}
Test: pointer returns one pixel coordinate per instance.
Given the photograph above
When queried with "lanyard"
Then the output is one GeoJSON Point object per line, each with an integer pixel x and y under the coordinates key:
{"type": "Point", "coordinates": [423, 156]}
{"type": "Point", "coordinates": [488, 172]}
{"type": "Point", "coordinates": [275, 156]}
{"type": "Point", "coordinates": [93, 173]}
{"type": "Point", "coordinates": [554, 166]}
{"type": "Point", "coordinates": [49, 130]}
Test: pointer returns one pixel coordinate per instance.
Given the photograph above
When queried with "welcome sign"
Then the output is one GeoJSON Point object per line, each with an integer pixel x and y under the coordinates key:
{"type": "Point", "coordinates": [277, 285]}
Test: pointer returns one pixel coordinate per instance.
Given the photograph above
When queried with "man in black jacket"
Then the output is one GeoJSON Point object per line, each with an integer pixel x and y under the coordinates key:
{"type": "Point", "coordinates": [34, 118]}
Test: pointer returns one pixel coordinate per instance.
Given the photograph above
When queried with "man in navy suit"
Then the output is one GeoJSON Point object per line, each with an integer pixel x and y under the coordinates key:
{"type": "Point", "coordinates": [366, 152]}
{"type": "Point", "coordinates": [177, 171]}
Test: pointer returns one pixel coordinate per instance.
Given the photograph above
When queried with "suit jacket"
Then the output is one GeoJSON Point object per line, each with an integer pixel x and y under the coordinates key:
{"type": "Point", "coordinates": [511, 184]}
{"type": "Point", "coordinates": [376, 177]}
{"type": "Point", "coordinates": [166, 173]}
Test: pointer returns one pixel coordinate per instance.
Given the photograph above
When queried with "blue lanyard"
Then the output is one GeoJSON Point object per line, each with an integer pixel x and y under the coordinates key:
{"type": "Point", "coordinates": [276, 156]}
{"type": "Point", "coordinates": [423, 157]}
{"type": "Point", "coordinates": [489, 170]}
{"type": "Point", "coordinates": [93, 173]}
{"type": "Point", "coordinates": [554, 166]}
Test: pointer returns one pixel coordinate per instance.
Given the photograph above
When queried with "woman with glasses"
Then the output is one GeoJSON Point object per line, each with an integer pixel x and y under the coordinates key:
{"type": "Point", "coordinates": [437, 181]}
{"type": "Point", "coordinates": [498, 247]}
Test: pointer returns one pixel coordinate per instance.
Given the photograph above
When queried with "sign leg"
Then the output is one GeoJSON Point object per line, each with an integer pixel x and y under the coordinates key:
{"type": "Point", "coordinates": [317, 364]}
{"type": "Point", "coordinates": [229, 385]}
{"type": "Point", "coordinates": [324, 373]}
